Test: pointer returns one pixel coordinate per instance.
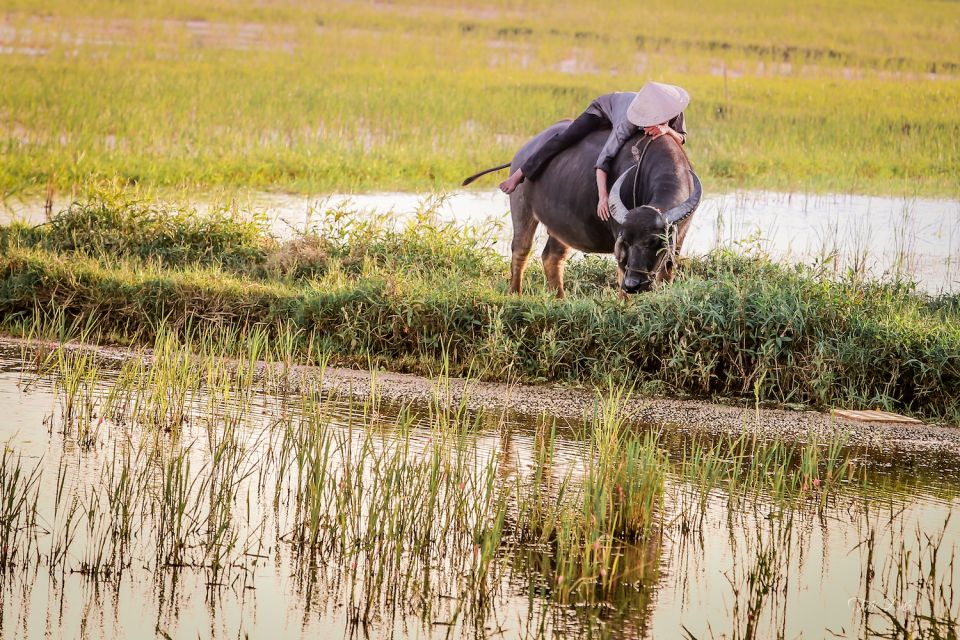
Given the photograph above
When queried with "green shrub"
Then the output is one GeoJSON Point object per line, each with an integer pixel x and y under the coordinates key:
{"type": "Point", "coordinates": [422, 246]}
{"type": "Point", "coordinates": [729, 326]}
{"type": "Point", "coordinates": [172, 236]}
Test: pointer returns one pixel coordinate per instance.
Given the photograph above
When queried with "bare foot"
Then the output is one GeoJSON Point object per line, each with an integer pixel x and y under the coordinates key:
{"type": "Point", "coordinates": [510, 184]}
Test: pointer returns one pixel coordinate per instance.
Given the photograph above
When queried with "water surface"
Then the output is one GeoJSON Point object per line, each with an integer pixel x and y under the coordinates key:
{"type": "Point", "coordinates": [692, 575]}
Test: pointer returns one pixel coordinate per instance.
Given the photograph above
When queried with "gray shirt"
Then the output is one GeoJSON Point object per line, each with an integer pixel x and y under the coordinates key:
{"type": "Point", "coordinates": [613, 107]}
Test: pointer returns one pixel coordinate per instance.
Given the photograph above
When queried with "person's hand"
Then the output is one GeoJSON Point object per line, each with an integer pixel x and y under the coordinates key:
{"type": "Point", "coordinates": [603, 208]}
{"type": "Point", "coordinates": [657, 130]}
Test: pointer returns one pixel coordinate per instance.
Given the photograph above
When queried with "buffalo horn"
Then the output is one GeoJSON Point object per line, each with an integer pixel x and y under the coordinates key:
{"type": "Point", "coordinates": [688, 206]}
{"type": "Point", "coordinates": [617, 209]}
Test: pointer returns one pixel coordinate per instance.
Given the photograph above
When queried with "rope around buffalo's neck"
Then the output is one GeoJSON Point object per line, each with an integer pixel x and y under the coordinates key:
{"type": "Point", "coordinates": [636, 176]}
{"type": "Point", "coordinates": [638, 155]}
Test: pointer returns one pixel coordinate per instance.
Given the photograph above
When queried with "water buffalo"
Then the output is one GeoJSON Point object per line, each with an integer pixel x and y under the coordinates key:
{"type": "Point", "coordinates": [649, 215]}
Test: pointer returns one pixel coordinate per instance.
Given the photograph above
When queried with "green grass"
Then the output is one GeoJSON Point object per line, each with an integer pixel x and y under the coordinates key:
{"type": "Point", "coordinates": [428, 297]}
{"type": "Point", "coordinates": [353, 97]}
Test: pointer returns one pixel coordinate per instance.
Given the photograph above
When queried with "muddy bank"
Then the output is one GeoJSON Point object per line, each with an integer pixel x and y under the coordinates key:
{"type": "Point", "coordinates": [532, 401]}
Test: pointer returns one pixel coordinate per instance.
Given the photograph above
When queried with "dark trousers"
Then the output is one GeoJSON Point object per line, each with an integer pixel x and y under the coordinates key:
{"type": "Point", "coordinates": [577, 130]}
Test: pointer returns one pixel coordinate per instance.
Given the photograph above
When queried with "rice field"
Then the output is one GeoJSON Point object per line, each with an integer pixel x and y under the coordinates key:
{"type": "Point", "coordinates": [217, 97]}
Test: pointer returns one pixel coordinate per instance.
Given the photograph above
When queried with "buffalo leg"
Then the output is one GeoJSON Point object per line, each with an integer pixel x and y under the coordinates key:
{"type": "Point", "coordinates": [524, 228]}
{"type": "Point", "coordinates": [554, 256]}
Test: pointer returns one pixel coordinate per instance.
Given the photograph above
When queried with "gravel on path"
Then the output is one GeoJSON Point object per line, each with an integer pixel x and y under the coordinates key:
{"type": "Point", "coordinates": [678, 414]}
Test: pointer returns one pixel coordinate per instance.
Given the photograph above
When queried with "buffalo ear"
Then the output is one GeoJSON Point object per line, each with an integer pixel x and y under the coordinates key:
{"type": "Point", "coordinates": [619, 252]}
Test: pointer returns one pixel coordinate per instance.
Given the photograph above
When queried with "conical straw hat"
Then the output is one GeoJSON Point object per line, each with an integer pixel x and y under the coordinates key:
{"type": "Point", "coordinates": [656, 103]}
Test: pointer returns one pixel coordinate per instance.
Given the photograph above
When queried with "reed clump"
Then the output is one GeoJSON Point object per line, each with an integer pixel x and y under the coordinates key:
{"type": "Point", "coordinates": [590, 516]}
{"type": "Point", "coordinates": [19, 487]}
{"type": "Point", "coordinates": [386, 495]}
{"type": "Point", "coordinates": [379, 508]}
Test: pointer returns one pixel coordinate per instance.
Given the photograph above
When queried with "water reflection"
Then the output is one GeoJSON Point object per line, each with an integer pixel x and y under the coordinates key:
{"type": "Point", "coordinates": [268, 513]}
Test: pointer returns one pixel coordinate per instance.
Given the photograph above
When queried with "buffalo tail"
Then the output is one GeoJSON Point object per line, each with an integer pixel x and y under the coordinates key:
{"type": "Point", "coordinates": [483, 173]}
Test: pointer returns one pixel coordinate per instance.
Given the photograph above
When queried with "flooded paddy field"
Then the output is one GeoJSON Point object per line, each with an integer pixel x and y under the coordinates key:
{"type": "Point", "coordinates": [186, 494]}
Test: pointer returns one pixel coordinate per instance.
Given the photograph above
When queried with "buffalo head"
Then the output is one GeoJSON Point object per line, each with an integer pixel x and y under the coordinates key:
{"type": "Point", "coordinates": [645, 236]}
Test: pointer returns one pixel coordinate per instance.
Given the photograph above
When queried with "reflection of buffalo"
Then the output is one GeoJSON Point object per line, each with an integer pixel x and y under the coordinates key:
{"type": "Point", "coordinates": [645, 212]}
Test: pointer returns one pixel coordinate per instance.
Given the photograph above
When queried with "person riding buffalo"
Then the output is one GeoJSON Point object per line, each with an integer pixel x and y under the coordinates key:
{"type": "Point", "coordinates": [657, 108]}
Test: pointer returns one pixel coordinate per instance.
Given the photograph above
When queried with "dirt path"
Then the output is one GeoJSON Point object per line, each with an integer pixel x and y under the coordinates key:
{"type": "Point", "coordinates": [577, 403]}
{"type": "Point", "coordinates": [673, 413]}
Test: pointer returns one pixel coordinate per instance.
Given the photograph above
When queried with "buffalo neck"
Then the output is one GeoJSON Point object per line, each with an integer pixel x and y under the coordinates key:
{"type": "Point", "coordinates": [662, 182]}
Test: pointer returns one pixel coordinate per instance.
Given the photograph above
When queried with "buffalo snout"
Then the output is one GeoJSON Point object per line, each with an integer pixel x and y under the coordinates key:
{"type": "Point", "coordinates": [635, 284]}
